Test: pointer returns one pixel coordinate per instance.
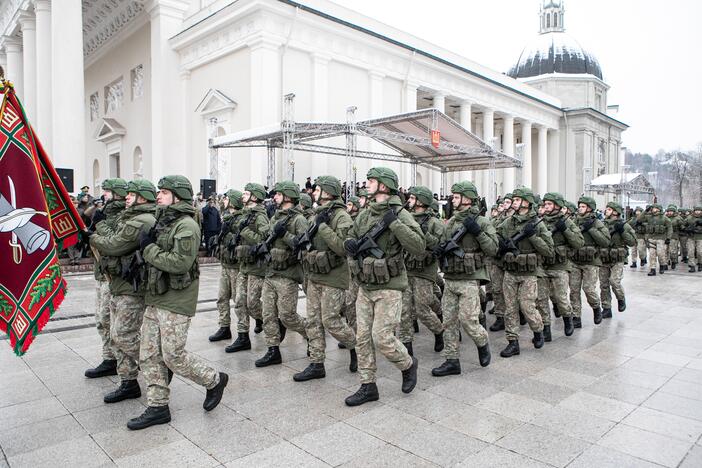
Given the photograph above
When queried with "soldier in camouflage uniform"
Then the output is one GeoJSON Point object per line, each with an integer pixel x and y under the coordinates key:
{"type": "Point", "coordinates": [466, 241]}
{"type": "Point", "coordinates": [283, 272]}
{"type": "Point", "coordinates": [566, 238]}
{"type": "Point", "coordinates": [170, 251]}
{"type": "Point", "coordinates": [328, 278]}
{"type": "Point", "coordinates": [382, 281]}
{"type": "Point", "coordinates": [306, 206]}
{"type": "Point", "coordinates": [586, 261]}
{"type": "Point", "coordinates": [522, 265]}
{"type": "Point", "coordinates": [362, 199]}
{"type": "Point", "coordinates": [119, 251]}
{"type": "Point", "coordinates": [659, 230]}
{"type": "Point", "coordinates": [674, 248]}
{"type": "Point", "coordinates": [682, 232]}
{"type": "Point", "coordinates": [422, 271]}
{"type": "Point", "coordinates": [353, 206]}
{"type": "Point", "coordinates": [693, 225]}
{"type": "Point", "coordinates": [614, 258]}
{"type": "Point", "coordinates": [351, 294]}
{"type": "Point", "coordinates": [496, 270]}
{"type": "Point", "coordinates": [104, 223]}
{"type": "Point", "coordinates": [639, 249]}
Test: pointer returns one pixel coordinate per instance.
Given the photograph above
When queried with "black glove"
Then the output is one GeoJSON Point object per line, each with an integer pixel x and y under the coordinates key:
{"type": "Point", "coordinates": [667, 242]}
{"type": "Point", "coordinates": [98, 216]}
{"type": "Point", "coordinates": [472, 226]}
{"type": "Point", "coordinates": [146, 238]}
{"type": "Point", "coordinates": [529, 230]}
{"type": "Point", "coordinates": [698, 222]}
{"type": "Point", "coordinates": [438, 251]}
{"type": "Point", "coordinates": [560, 225]}
{"type": "Point", "coordinates": [389, 217]}
{"type": "Point", "coordinates": [279, 229]}
{"type": "Point", "coordinates": [323, 217]}
{"type": "Point", "coordinates": [619, 227]}
{"type": "Point", "coordinates": [351, 247]}
{"type": "Point", "coordinates": [587, 225]}
{"type": "Point", "coordinates": [503, 247]}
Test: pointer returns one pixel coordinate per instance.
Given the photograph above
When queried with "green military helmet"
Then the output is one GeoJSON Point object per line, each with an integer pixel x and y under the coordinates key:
{"type": "Point", "coordinates": [697, 208]}
{"type": "Point", "coordinates": [657, 205]}
{"type": "Point", "coordinates": [329, 184]}
{"type": "Point", "coordinates": [423, 194]}
{"type": "Point", "coordinates": [117, 185]}
{"type": "Point", "coordinates": [508, 196]}
{"type": "Point", "coordinates": [355, 200]}
{"type": "Point", "coordinates": [638, 208]}
{"type": "Point", "coordinates": [525, 193]}
{"type": "Point", "coordinates": [672, 208]}
{"type": "Point", "coordinates": [589, 201]}
{"type": "Point", "coordinates": [143, 188]}
{"type": "Point", "coordinates": [434, 205]}
{"type": "Point", "coordinates": [288, 188]}
{"type": "Point", "coordinates": [571, 206]}
{"type": "Point", "coordinates": [257, 190]}
{"type": "Point", "coordinates": [384, 175]}
{"type": "Point", "coordinates": [465, 188]}
{"type": "Point", "coordinates": [235, 198]}
{"type": "Point", "coordinates": [363, 193]}
{"type": "Point", "coordinates": [305, 200]}
{"type": "Point", "coordinates": [555, 197]}
{"type": "Point", "coordinates": [179, 185]}
{"type": "Point", "coordinates": [616, 207]}
{"type": "Point", "coordinates": [537, 199]}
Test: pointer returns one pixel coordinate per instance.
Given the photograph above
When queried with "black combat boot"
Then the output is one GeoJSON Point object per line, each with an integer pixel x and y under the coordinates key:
{"type": "Point", "coordinates": [415, 324]}
{"type": "Point", "coordinates": [367, 392]}
{"type": "Point", "coordinates": [522, 318]}
{"type": "Point", "coordinates": [577, 322]}
{"type": "Point", "coordinates": [556, 312]}
{"type": "Point", "coordinates": [606, 312]}
{"type": "Point", "coordinates": [621, 305]}
{"type": "Point", "coordinates": [259, 326]}
{"type": "Point", "coordinates": [353, 363]}
{"type": "Point", "coordinates": [498, 325]}
{"type": "Point", "coordinates": [652, 272]}
{"type": "Point", "coordinates": [409, 376]}
{"type": "Point", "coordinates": [644, 262]}
{"type": "Point", "coordinates": [152, 416]}
{"type": "Point", "coordinates": [214, 395]}
{"type": "Point", "coordinates": [242, 343]}
{"type": "Point", "coordinates": [314, 371]}
{"type": "Point", "coordinates": [547, 333]}
{"type": "Point", "coordinates": [633, 265]}
{"type": "Point", "coordinates": [512, 349]}
{"type": "Point", "coordinates": [691, 269]}
{"type": "Point", "coordinates": [484, 355]}
{"type": "Point", "coordinates": [684, 259]}
{"type": "Point", "coordinates": [597, 315]}
{"type": "Point", "coordinates": [449, 367]}
{"type": "Point", "coordinates": [271, 357]}
{"type": "Point", "coordinates": [341, 345]}
{"type": "Point", "coordinates": [673, 266]}
{"type": "Point", "coordinates": [661, 270]}
{"type": "Point", "coordinates": [224, 333]}
{"type": "Point", "coordinates": [699, 267]}
{"type": "Point", "coordinates": [568, 326]}
{"type": "Point", "coordinates": [282, 329]}
{"type": "Point", "coordinates": [439, 342]}
{"type": "Point", "coordinates": [105, 368]}
{"type": "Point", "coordinates": [409, 348]}
{"type": "Point", "coordinates": [127, 390]}
{"type": "Point", "coordinates": [538, 340]}
{"type": "Point", "coordinates": [482, 320]}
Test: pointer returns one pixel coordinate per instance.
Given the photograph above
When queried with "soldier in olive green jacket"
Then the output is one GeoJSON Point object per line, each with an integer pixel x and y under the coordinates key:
{"type": "Point", "coordinates": [693, 226]}
{"type": "Point", "coordinates": [659, 230]}
{"type": "Point", "coordinates": [375, 245]}
{"type": "Point", "coordinates": [614, 258]}
{"type": "Point", "coordinates": [639, 249]}
{"type": "Point", "coordinates": [170, 251]}
{"type": "Point", "coordinates": [676, 222]}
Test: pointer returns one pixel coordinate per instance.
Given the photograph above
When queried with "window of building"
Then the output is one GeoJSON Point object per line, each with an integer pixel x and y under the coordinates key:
{"type": "Point", "coordinates": [555, 20]}
{"type": "Point", "coordinates": [114, 95]}
{"type": "Point", "coordinates": [137, 82]}
{"type": "Point", "coordinates": [548, 21]}
{"type": "Point", "coordinates": [94, 106]}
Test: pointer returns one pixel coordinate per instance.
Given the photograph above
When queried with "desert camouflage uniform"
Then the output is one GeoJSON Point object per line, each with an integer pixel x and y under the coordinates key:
{"type": "Point", "coordinates": [694, 243]}
{"type": "Point", "coordinates": [659, 228]}
{"type": "Point", "coordinates": [638, 251]}
{"type": "Point", "coordinates": [228, 284]}
{"type": "Point", "coordinates": [249, 280]}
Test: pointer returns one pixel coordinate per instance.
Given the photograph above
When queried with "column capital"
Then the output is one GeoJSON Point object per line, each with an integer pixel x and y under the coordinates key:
{"type": "Point", "coordinates": [376, 75]}
{"type": "Point", "coordinates": [506, 116]}
{"type": "Point", "coordinates": [525, 122]}
{"type": "Point", "coordinates": [27, 21]}
{"type": "Point", "coordinates": [320, 58]}
{"type": "Point", "coordinates": [439, 94]}
{"type": "Point", "coordinates": [169, 8]}
{"type": "Point", "coordinates": [42, 5]}
{"type": "Point", "coordinates": [184, 75]}
{"type": "Point", "coordinates": [263, 42]}
{"type": "Point", "coordinates": [11, 43]}
{"type": "Point", "coordinates": [466, 102]}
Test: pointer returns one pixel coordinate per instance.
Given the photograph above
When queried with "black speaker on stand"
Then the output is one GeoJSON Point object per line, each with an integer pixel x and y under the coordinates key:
{"type": "Point", "coordinates": [208, 187]}
{"type": "Point", "coordinates": [66, 176]}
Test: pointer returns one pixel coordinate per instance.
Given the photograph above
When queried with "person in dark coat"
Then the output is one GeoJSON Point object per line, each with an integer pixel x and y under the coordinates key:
{"type": "Point", "coordinates": [211, 224]}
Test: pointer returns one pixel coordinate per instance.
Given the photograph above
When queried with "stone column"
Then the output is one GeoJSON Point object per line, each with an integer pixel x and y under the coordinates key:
{"type": "Point", "coordinates": [526, 153]}
{"type": "Point", "coordinates": [465, 119]}
{"type": "Point", "coordinates": [29, 64]}
{"type": "Point", "coordinates": [488, 135]}
{"type": "Point", "coordinates": [542, 164]}
{"type": "Point", "coordinates": [3, 61]}
{"type": "Point", "coordinates": [409, 104]}
{"type": "Point", "coordinates": [439, 102]}
{"type": "Point", "coordinates": [43, 70]}
{"type": "Point", "coordinates": [556, 178]}
{"type": "Point", "coordinates": [13, 50]}
{"type": "Point", "coordinates": [508, 149]}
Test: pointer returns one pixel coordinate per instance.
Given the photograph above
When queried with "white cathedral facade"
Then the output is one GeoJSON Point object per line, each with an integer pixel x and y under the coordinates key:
{"type": "Point", "coordinates": [136, 88]}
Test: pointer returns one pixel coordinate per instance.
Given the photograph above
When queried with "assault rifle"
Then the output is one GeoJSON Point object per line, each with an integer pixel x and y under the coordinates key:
{"type": "Point", "coordinates": [452, 246]}
{"type": "Point", "coordinates": [304, 240]}
{"type": "Point", "coordinates": [217, 242]}
{"type": "Point", "coordinates": [510, 245]}
{"type": "Point", "coordinates": [237, 238]}
{"type": "Point", "coordinates": [367, 245]}
{"type": "Point", "coordinates": [262, 252]}
{"type": "Point", "coordinates": [135, 273]}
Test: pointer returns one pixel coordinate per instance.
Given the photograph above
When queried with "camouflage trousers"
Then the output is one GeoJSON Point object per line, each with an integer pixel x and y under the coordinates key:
{"type": "Point", "coordinates": [324, 313]}
{"type": "Point", "coordinates": [126, 315]}
{"type": "Point", "coordinates": [497, 275]}
{"type": "Point", "coordinates": [350, 303]}
{"type": "Point", "coordinates": [542, 299]}
{"type": "Point", "coordinates": [378, 315]}
{"type": "Point", "coordinates": [657, 250]}
{"type": "Point", "coordinates": [556, 283]}
{"type": "Point", "coordinates": [683, 246]}
{"type": "Point", "coordinates": [674, 251]}
{"type": "Point", "coordinates": [227, 292]}
{"type": "Point", "coordinates": [102, 318]}
{"type": "Point", "coordinates": [461, 305]}
{"type": "Point", "coordinates": [520, 294]}
{"type": "Point", "coordinates": [248, 300]}
{"type": "Point", "coordinates": [279, 298]}
{"type": "Point", "coordinates": [163, 338]}
{"type": "Point", "coordinates": [638, 251]}
{"type": "Point", "coordinates": [611, 280]}
{"type": "Point", "coordinates": [418, 300]}
{"type": "Point", "coordinates": [583, 277]}
{"type": "Point", "coordinates": [694, 249]}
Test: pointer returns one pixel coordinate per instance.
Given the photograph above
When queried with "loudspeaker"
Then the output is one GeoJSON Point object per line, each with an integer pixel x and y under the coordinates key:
{"type": "Point", "coordinates": [208, 187]}
{"type": "Point", "coordinates": [66, 176]}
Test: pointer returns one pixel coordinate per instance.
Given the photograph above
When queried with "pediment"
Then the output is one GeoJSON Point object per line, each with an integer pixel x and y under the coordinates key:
{"type": "Point", "coordinates": [108, 130]}
{"type": "Point", "coordinates": [214, 102]}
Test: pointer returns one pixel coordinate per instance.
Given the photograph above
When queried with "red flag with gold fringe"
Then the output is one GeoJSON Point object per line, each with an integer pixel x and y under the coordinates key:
{"type": "Point", "coordinates": [37, 219]}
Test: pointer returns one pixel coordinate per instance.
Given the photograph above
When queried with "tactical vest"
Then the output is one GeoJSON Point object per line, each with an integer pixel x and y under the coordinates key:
{"type": "Point", "coordinates": [159, 281]}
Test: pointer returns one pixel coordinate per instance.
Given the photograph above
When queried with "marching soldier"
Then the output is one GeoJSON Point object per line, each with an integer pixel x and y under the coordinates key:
{"type": "Point", "coordinates": [693, 225]}
{"type": "Point", "coordinates": [362, 199]}
{"type": "Point", "coordinates": [660, 231]}
{"type": "Point", "coordinates": [105, 223]}
{"type": "Point", "coordinates": [325, 258]}
{"type": "Point", "coordinates": [674, 248]}
{"type": "Point", "coordinates": [422, 271]}
{"type": "Point", "coordinates": [614, 258]}
{"type": "Point", "coordinates": [375, 247]}
{"type": "Point", "coordinates": [587, 261]}
{"type": "Point", "coordinates": [639, 249]}
{"type": "Point", "coordinates": [170, 251]}
{"type": "Point", "coordinates": [466, 241]}
{"type": "Point", "coordinates": [682, 232]}
{"type": "Point", "coordinates": [119, 250]}
{"type": "Point", "coordinates": [566, 238]}
{"type": "Point", "coordinates": [283, 272]}
{"type": "Point", "coordinates": [524, 241]}
{"type": "Point", "coordinates": [353, 206]}
{"type": "Point", "coordinates": [496, 271]}
{"type": "Point", "coordinates": [306, 207]}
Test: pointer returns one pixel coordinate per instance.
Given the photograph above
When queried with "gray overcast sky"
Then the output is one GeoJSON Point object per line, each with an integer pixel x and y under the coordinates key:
{"type": "Point", "coordinates": [650, 51]}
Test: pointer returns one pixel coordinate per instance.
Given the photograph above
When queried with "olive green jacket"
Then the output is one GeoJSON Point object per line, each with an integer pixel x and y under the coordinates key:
{"type": "Point", "coordinates": [597, 236]}
{"type": "Point", "coordinates": [694, 223]}
{"type": "Point", "coordinates": [658, 227]}
{"type": "Point", "coordinates": [230, 223]}
{"type": "Point", "coordinates": [175, 254]}
{"type": "Point", "coordinates": [257, 231]}
{"type": "Point", "coordinates": [120, 247]}
{"type": "Point", "coordinates": [433, 230]}
{"type": "Point", "coordinates": [297, 224]}
{"type": "Point", "coordinates": [540, 243]}
{"type": "Point", "coordinates": [677, 223]}
{"type": "Point", "coordinates": [330, 237]}
{"type": "Point", "coordinates": [403, 233]}
{"type": "Point", "coordinates": [620, 241]}
{"type": "Point", "coordinates": [486, 243]}
{"type": "Point", "coordinates": [563, 242]}
{"type": "Point", "coordinates": [112, 210]}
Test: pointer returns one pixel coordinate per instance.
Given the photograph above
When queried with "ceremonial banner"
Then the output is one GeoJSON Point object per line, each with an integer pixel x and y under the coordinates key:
{"type": "Point", "coordinates": [37, 219]}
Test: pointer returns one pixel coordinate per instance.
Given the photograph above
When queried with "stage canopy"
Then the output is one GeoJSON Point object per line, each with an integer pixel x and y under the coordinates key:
{"type": "Point", "coordinates": [621, 183]}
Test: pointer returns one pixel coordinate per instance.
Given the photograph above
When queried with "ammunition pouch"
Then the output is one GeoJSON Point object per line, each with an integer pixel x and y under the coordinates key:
{"type": "Point", "coordinates": [321, 262]}
{"type": "Point", "coordinates": [586, 254]}
{"type": "Point", "coordinates": [468, 264]}
{"type": "Point", "coordinates": [521, 263]}
{"type": "Point", "coordinates": [561, 255]}
{"type": "Point", "coordinates": [159, 282]}
{"type": "Point", "coordinates": [243, 253]}
{"type": "Point", "coordinates": [111, 265]}
{"type": "Point", "coordinates": [418, 263]}
{"type": "Point", "coordinates": [371, 270]}
{"type": "Point", "coordinates": [614, 255]}
{"type": "Point", "coordinates": [281, 259]}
